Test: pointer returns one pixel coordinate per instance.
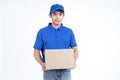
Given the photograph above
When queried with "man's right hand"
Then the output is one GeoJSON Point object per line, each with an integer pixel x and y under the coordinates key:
{"type": "Point", "coordinates": [43, 66]}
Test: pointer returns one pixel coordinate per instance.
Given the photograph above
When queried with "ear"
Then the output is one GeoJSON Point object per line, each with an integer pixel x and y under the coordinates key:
{"type": "Point", "coordinates": [49, 15]}
{"type": "Point", "coordinates": [63, 15]}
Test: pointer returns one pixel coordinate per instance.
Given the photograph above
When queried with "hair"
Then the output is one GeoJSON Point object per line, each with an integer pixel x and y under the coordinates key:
{"type": "Point", "coordinates": [60, 11]}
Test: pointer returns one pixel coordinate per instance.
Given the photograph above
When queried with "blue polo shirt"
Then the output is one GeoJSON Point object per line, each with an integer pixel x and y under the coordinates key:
{"type": "Point", "coordinates": [52, 38]}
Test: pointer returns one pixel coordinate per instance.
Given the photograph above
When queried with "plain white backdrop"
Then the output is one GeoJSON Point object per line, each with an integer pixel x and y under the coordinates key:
{"type": "Point", "coordinates": [96, 25]}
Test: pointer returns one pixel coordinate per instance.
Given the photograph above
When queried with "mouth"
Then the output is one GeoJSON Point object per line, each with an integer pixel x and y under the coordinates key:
{"type": "Point", "coordinates": [57, 21]}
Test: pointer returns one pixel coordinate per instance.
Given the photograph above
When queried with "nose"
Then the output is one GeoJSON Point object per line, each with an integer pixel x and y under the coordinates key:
{"type": "Point", "coordinates": [58, 16]}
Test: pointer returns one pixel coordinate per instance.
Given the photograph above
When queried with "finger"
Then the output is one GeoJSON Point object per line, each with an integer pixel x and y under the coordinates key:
{"type": "Point", "coordinates": [44, 69]}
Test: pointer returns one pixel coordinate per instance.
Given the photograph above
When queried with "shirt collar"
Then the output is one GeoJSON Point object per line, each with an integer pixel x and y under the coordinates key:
{"type": "Point", "coordinates": [51, 27]}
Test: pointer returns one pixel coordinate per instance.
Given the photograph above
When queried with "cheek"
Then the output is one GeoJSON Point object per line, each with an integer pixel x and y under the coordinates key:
{"type": "Point", "coordinates": [54, 17]}
{"type": "Point", "coordinates": [61, 18]}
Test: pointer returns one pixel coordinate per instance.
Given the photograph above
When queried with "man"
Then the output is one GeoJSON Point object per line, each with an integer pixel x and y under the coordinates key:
{"type": "Point", "coordinates": [54, 36]}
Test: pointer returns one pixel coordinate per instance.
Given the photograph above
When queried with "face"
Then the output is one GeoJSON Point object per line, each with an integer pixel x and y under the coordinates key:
{"type": "Point", "coordinates": [57, 17]}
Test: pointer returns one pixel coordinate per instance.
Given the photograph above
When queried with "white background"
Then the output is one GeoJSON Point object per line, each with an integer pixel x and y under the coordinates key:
{"type": "Point", "coordinates": [96, 25]}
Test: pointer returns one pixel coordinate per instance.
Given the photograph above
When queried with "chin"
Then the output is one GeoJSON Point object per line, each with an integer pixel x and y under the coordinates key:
{"type": "Point", "coordinates": [58, 23]}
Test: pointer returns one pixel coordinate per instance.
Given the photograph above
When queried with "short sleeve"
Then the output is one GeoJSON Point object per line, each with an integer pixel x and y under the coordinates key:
{"type": "Point", "coordinates": [73, 40]}
{"type": "Point", "coordinates": [38, 42]}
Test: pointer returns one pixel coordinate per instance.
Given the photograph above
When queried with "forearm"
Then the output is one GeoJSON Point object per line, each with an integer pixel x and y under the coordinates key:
{"type": "Point", "coordinates": [76, 53]}
{"type": "Point", "coordinates": [38, 57]}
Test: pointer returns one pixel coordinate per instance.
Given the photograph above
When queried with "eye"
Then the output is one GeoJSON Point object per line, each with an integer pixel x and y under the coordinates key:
{"type": "Point", "coordinates": [54, 13]}
{"type": "Point", "coordinates": [60, 14]}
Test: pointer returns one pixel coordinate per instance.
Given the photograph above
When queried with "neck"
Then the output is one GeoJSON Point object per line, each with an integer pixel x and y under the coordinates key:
{"type": "Point", "coordinates": [56, 25]}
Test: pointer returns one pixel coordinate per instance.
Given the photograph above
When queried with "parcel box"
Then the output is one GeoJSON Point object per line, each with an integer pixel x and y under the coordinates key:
{"type": "Point", "coordinates": [59, 59]}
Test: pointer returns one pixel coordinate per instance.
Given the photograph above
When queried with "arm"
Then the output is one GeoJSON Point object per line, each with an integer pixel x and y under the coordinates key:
{"type": "Point", "coordinates": [76, 54]}
{"type": "Point", "coordinates": [38, 58]}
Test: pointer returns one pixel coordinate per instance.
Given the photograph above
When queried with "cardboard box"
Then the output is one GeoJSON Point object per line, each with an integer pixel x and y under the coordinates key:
{"type": "Point", "coordinates": [59, 59]}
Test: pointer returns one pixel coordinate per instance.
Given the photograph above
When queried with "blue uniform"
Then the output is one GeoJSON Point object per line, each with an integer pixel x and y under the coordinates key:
{"type": "Point", "coordinates": [52, 38]}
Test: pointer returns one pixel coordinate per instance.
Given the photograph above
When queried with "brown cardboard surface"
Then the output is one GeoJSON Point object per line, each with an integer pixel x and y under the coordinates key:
{"type": "Point", "coordinates": [59, 59]}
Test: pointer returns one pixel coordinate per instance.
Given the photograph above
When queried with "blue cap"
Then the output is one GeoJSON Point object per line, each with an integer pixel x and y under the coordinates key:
{"type": "Point", "coordinates": [55, 7]}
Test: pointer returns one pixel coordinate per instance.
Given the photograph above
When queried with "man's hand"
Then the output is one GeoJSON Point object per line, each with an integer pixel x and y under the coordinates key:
{"type": "Point", "coordinates": [74, 66]}
{"type": "Point", "coordinates": [43, 66]}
